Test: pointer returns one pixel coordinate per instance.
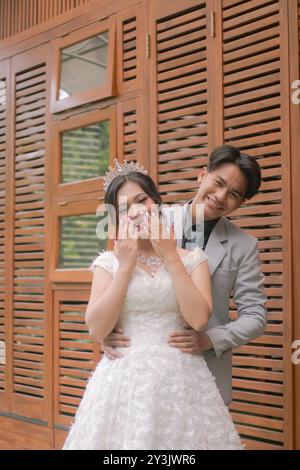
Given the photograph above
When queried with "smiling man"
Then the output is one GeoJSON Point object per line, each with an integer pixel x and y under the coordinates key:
{"type": "Point", "coordinates": [230, 179]}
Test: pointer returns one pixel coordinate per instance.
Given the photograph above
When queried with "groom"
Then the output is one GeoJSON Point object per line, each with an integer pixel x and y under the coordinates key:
{"type": "Point", "coordinates": [230, 179]}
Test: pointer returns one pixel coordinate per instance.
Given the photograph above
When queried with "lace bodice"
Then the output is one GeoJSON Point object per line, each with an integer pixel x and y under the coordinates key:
{"type": "Point", "coordinates": [151, 310]}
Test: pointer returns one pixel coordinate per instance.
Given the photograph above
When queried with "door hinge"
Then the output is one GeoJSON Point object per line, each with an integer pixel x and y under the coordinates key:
{"type": "Point", "coordinates": [148, 45]}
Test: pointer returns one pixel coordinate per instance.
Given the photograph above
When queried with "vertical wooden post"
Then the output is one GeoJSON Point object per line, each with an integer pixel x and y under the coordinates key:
{"type": "Point", "coordinates": [215, 80]}
{"type": "Point", "coordinates": [286, 223]}
{"type": "Point", "coordinates": [294, 62]}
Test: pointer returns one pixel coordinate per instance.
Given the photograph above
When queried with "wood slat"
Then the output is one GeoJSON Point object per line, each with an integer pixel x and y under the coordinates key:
{"type": "Point", "coordinates": [268, 423]}
{"type": "Point", "coordinates": [255, 409]}
{"type": "Point", "coordinates": [257, 26]}
{"type": "Point", "coordinates": [269, 435]}
{"type": "Point", "coordinates": [235, 7]}
{"type": "Point", "coordinates": [244, 18]}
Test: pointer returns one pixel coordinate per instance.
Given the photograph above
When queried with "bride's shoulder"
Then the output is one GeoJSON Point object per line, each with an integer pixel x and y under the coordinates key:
{"type": "Point", "coordinates": [105, 259]}
{"type": "Point", "coordinates": [105, 254]}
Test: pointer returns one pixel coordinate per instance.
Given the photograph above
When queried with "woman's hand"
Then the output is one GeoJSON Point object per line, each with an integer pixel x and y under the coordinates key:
{"type": "Point", "coordinates": [126, 248]}
{"type": "Point", "coordinates": [163, 241]}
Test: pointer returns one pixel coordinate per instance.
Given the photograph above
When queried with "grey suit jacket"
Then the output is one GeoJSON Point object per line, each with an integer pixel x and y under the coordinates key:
{"type": "Point", "coordinates": [235, 268]}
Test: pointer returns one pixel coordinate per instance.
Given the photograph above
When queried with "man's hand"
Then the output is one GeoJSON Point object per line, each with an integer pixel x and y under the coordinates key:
{"type": "Point", "coordinates": [190, 341]}
{"type": "Point", "coordinates": [114, 340]}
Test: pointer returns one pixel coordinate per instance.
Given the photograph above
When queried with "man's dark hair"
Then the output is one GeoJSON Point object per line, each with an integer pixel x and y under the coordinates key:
{"type": "Point", "coordinates": [247, 164]}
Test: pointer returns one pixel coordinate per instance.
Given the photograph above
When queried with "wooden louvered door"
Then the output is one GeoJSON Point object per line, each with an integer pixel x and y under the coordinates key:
{"type": "Point", "coordinates": [76, 358]}
{"type": "Point", "coordinates": [129, 53]}
{"type": "Point", "coordinates": [30, 361]}
{"type": "Point", "coordinates": [255, 119]}
{"type": "Point", "coordinates": [220, 75]}
{"type": "Point", "coordinates": [75, 355]}
{"type": "Point", "coordinates": [179, 88]}
{"type": "Point", "coordinates": [4, 339]}
{"type": "Point", "coordinates": [294, 43]}
{"type": "Point", "coordinates": [132, 135]}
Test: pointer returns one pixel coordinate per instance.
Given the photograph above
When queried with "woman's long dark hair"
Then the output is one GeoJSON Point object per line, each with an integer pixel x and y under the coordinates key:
{"type": "Point", "coordinates": [144, 181]}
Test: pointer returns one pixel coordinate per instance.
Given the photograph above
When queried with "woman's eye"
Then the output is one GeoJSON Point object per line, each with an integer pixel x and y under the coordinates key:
{"type": "Point", "coordinates": [218, 182]}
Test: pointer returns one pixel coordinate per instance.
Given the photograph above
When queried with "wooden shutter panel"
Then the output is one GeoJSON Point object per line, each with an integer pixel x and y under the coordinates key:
{"type": "Point", "coordinates": [28, 248]}
{"type": "Point", "coordinates": [253, 100]}
{"type": "Point", "coordinates": [16, 17]}
{"type": "Point", "coordinates": [250, 77]}
{"type": "Point", "coordinates": [129, 63]}
{"type": "Point", "coordinates": [181, 63]}
{"type": "Point", "coordinates": [129, 51]}
{"type": "Point", "coordinates": [295, 171]}
{"type": "Point", "coordinates": [76, 354]}
{"type": "Point", "coordinates": [129, 130]}
{"type": "Point", "coordinates": [3, 145]}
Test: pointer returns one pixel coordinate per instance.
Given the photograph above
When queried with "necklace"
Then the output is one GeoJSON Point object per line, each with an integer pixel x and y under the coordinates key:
{"type": "Point", "coordinates": [153, 262]}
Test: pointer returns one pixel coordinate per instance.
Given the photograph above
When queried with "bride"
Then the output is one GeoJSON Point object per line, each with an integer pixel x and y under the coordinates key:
{"type": "Point", "coordinates": [154, 396]}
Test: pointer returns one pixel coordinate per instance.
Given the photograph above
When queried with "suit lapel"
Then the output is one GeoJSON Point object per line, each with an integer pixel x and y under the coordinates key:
{"type": "Point", "coordinates": [215, 250]}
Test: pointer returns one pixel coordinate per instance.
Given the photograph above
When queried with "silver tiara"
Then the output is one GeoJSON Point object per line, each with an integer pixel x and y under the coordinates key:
{"type": "Point", "coordinates": [121, 169]}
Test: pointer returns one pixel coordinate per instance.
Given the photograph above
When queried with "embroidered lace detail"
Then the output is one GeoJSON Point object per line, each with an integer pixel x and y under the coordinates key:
{"type": "Point", "coordinates": [108, 261]}
{"type": "Point", "coordinates": [155, 396]}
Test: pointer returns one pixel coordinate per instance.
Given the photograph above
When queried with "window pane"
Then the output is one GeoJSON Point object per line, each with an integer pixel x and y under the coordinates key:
{"type": "Point", "coordinates": [78, 240]}
{"type": "Point", "coordinates": [85, 152]}
{"type": "Point", "coordinates": [84, 65]}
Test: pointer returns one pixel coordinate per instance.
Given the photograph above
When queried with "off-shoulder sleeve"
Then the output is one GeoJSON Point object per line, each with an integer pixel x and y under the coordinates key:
{"type": "Point", "coordinates": [106, 260]}
{"type": "Point", "coordinates": [194, 258]}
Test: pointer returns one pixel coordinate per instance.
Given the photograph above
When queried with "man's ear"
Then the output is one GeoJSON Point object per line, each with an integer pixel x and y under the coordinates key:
{"type": "Point", "coordinates": [202, 173]}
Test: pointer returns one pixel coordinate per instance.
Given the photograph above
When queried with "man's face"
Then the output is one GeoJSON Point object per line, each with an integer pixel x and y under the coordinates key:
{"type": "Point", "coordinates": [221, 190]}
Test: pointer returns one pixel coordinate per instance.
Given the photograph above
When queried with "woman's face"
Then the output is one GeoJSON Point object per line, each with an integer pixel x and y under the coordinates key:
{"type": "Point", "coordinates": [134, 204]}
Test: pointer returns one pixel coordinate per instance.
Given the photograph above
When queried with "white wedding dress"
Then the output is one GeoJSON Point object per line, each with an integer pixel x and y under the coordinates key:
{"type": "Point", "coordinates": [155, 396]}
